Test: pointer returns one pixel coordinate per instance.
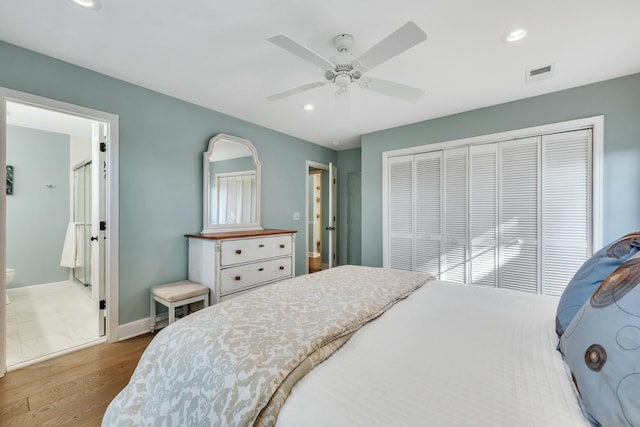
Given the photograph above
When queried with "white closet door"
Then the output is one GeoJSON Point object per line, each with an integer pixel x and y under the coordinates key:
{"type": "Point", "coordinates": [518, 214]}
{"type": "Point", "coordinates": [401, 212]}
{"type": "Point", "coordinates": [455, 215]}
{"type": "Point", "coordinates": [483, 214]}
{"type": "Point", "coordinates": [566, 207]}
{"type": "Point", "coordinates": [428, 187]}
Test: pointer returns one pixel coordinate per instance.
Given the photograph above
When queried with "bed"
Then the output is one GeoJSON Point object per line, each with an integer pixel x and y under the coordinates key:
{"type": "Point", "coordinates": [357, 346]}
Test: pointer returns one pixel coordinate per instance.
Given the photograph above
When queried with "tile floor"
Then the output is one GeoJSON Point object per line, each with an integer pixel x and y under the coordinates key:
{"type": "Point", "coordinates": [46, 319]}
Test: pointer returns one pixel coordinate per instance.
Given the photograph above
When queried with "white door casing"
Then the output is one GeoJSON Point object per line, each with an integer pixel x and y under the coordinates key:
{"type": "Point", "coordinates": [524, 192]}
{"type": "Point", "coordinates": [329, 224]}
{"type": "Point", "coordinates": [111, 208]}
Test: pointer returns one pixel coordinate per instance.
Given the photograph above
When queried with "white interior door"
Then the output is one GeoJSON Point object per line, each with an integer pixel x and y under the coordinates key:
{"type": "Point", "coordinates": [331, 222]}
{"type": "Point", "coordinates": [483, 214]}
{"type": "Point", "coordinates": [400, 213]}
{"type": "Point", "coordinates": [566, 209]}
{"type": "Point", "coordinates": [98, 221]}
{"type": "Point", "coordinates": [522, 212]}
{"type": "Point", "coordinates": [323, 198]}
{"type": "Point", "coordinates": [455, 215]}
{"type": "Point", "coordinates": [519, 214]}
{"type": "Point", "coordinates": [428, 212]}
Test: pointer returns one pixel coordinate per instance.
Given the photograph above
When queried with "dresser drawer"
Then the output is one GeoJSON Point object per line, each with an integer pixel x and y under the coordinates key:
{"type": "Point", "coordinates": [248, 250]}
{"type": "Point", "coordinates": [226, 297]}
{"type": "Point", "coordinates": [237, 278]}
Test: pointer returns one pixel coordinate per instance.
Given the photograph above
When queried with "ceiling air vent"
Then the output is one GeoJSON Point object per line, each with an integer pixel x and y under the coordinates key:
{"type": "Point", "coordinates": [539, 73]}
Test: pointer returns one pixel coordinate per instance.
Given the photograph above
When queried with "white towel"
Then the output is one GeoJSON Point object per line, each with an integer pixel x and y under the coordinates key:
{"type": "Point", "coordinates": [70, 249]}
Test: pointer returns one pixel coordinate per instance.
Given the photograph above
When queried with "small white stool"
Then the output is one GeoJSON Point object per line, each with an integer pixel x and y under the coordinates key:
{"type": "Point", "coordinates": [174, 295]}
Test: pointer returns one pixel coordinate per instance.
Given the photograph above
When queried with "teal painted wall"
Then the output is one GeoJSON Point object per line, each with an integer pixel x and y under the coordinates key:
{"type": "Point", "coordinates": [618, 100]}
{"type": "Point", "coordinates": [161, 144]}
{"type": "Point", "coordinates": [348, 162]}
{"type": "Point", "coordinates": [37, 215]}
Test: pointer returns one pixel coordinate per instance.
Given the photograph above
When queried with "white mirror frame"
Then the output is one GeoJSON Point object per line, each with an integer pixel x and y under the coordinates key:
{"type": "Point", "coordinates": [209, 228]}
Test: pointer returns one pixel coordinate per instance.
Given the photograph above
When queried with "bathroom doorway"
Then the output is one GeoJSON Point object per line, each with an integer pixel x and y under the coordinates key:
{"type": "Point", "coordinates": [55, 215]}
{"type": "Point", "coordinates": [321, 216]}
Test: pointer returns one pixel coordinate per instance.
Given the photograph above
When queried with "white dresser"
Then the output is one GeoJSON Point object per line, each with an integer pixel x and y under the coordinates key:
{"type": "Point", "coordinates": [232, 263]}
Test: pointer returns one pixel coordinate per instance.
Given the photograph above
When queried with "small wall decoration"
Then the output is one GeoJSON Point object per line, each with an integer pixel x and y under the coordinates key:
{"type": "Point", "coordinates": [9, 179]}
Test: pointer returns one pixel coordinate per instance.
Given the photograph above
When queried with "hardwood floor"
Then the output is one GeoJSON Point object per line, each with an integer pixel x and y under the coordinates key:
{"type": "Point", "coordinates": [74, 389]}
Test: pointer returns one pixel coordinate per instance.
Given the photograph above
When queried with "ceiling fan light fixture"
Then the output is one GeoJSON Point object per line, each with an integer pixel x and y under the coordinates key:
{"type": "Point", "coordinates": [515, 35]}
{"type": "Point", "coordinates": [88, 4]}
{"type": "Point", "coordinates": [342, 80]}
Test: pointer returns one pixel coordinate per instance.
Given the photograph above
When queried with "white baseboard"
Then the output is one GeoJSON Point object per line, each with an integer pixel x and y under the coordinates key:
{"type": "Point", "coordinates": [140, 327]}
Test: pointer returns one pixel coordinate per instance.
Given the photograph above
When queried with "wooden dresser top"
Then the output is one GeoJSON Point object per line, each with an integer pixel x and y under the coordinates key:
{"type": "Point", "coordinates": [239, 234]}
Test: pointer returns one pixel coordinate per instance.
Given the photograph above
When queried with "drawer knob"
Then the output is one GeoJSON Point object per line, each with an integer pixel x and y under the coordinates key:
{"type": "Point", "coordinates": [261, 245]}
{"type": "Point", "coordinates": [261, 269]}
{"type": "Point", "coordinates": [281, 245]}
{"type": "Point", "coordinates": [238, 251]}
{"type": "Point", "coordinates": [238, 277]}
{"type": "Point", "coordinates": [282, 267]}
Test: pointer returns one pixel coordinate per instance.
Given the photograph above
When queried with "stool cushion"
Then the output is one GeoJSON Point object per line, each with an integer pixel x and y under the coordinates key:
{"type": "Point", "coordinates": [177, 291]}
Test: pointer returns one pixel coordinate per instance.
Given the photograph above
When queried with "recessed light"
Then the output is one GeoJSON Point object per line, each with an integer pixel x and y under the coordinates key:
{"type": "Point", "coordinates": [89, 4]}
{"type": "Point", "coordinates": [308, 107]}
{"type": "Point", "coordinates": [336, 143]}
{"type": "Point", "coordinates": [515, 35]}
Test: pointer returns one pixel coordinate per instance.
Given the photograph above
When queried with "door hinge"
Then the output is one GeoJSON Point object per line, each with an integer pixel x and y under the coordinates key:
{"type": "Point", "coordinates": [103, 304]}
{"type": "Point", "coordinates": [103, 147]}
{"type": "Point", "coordinates": [103, 225]}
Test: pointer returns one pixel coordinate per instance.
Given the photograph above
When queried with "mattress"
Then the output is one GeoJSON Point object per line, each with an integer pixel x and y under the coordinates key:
{"type": "Point", "coordinates": [449, 355]}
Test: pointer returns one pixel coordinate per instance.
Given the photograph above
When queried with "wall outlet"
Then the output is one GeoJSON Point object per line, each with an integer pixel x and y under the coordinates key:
{"type": "Point", "coordinates": [296, 216]}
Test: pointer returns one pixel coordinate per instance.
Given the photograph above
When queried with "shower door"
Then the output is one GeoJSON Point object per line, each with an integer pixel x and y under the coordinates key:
{"type": "Point", "coordinates": [82, 219]}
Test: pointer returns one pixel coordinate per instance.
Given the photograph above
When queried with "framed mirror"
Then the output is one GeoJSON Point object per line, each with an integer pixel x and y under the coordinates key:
{"type": "Point", "coordinates": [231, 185]}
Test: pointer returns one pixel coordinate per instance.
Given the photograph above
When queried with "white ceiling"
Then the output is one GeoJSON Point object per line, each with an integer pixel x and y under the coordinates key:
{"type": "Point", "coordinates": [215, 53]}
{"type": "Point", "coordinates": [32, 117]}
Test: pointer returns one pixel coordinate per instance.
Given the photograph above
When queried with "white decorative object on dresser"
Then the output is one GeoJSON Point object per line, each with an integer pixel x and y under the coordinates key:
{"type": "Point", "coordinates": [232, 263]}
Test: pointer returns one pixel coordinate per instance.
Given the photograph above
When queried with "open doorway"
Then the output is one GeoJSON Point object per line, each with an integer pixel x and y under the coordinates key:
{"type": "Point", "coordinates": [55, 215]}
{"type": "Point", "coordinates": [321, 216]}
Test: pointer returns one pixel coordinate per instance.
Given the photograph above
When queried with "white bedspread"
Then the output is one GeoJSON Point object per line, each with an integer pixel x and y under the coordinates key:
{"type": "Point", "coordinates": [450, 355]}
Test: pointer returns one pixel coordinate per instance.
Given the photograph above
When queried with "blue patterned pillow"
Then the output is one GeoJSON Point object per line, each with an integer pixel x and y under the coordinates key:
{"type": "Point", "coordinates": [602, 348]}
{"type": "Point", "coordinates": [590, 276]}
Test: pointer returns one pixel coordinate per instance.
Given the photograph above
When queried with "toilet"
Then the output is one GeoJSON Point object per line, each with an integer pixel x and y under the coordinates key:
{"type": "Point", "coordinates": [10, 274]}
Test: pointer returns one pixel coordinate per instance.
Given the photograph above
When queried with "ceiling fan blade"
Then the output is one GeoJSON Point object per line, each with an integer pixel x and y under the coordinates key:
{"type": "Point", "coordinates": [397, 90]}
{"type": "Point", "coordinates": [300, 51]}
{"type": "Point", "coordinates": [295, 90]}
{"type": "Point", "coordinates": [395, 43]}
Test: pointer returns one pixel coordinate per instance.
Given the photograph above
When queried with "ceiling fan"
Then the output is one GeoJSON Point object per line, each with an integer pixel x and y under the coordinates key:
{"type": "Point", "coordinates": [343, 70]}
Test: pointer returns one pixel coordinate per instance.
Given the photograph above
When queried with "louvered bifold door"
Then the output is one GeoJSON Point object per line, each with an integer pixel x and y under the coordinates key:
{"type": "Point", "coordinates": [454, 266]}
{"type": "Point", "coordinates": [566, 207]}
{"type": "Point", "coordinates": [428, 188]}
{"type": "Point", "coordinates": [518, 214]}
{"type": "Point", "coordinates": [401, 213]}
{"type": "Point", "coordinates": [483, 214]}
